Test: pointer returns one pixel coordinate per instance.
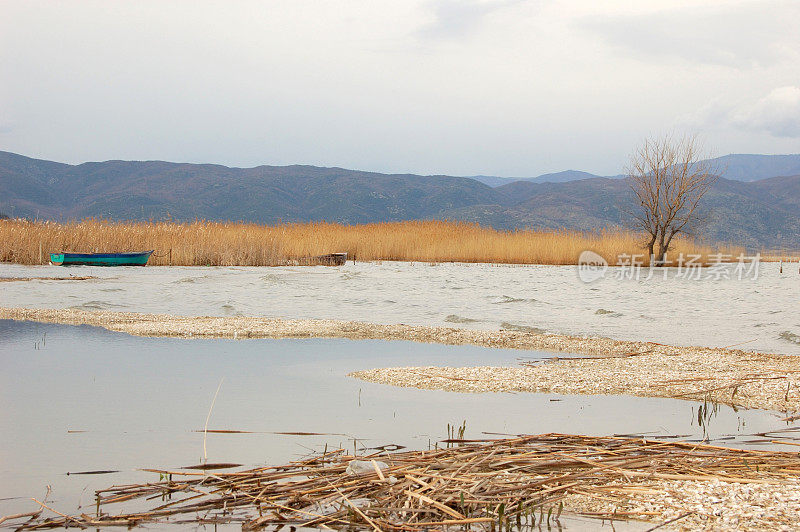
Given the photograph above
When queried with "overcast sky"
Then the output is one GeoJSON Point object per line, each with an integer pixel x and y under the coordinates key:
{"type": "Point", "coordinates": [498, 87]}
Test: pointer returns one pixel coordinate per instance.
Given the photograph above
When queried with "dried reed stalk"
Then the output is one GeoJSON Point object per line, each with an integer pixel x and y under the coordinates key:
{"type": "Point", "coordinates": [204, 243]}
{"type": "Point", "coordinates": [507, 482]}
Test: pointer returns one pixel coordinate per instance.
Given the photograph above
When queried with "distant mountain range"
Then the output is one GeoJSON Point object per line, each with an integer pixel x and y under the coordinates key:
{"type": "Point", "coordinates": [736, 167]}
{"type": "Point", "coordinates": [756, 204]}
{"type": "Point", "coordinates": [558, 177]}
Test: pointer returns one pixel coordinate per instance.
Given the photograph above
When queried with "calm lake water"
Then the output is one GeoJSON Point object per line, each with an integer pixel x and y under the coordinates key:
{"type": "Point", "coordinates": [79, 398]}
{"type": "Point", "coordinates": [760, 314]}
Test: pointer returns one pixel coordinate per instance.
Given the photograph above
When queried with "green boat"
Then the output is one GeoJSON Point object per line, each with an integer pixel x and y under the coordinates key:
{"type": "Point", "coordinates": [100, 259]}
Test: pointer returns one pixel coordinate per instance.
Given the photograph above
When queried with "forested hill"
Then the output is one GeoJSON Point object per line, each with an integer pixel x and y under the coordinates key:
{"type": "Point", "coordinates": [754, 212]}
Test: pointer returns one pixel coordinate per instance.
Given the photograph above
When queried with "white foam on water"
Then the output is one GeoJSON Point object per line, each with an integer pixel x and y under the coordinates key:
{"type": "Point", "coordinates": [760, 314]}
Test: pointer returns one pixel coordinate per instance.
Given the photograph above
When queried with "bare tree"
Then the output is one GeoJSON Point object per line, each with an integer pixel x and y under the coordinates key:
{"type": "Point", "coordinates": [668, 180]}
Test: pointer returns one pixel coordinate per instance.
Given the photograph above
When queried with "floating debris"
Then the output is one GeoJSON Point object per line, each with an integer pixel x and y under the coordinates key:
{"type": "Point", "coordinates": [210, 466]}
{"type": "Point", "coordinates": [98, 472]}
{"type": "Point", "coordinates": [522, 481]}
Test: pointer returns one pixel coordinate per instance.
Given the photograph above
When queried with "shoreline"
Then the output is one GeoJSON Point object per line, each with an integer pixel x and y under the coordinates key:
{"type": "Point", "coordinates": [677, 485]}
{"type": "Point", "coordinates": [606, 367]}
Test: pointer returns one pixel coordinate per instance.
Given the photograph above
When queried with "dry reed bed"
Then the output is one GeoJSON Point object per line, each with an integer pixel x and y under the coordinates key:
{"type": "Point", "coordinates": [741, 378]}
{"type": "Point", "coordinates": [239, 244]}
{"type": "Point", "coordinates": [517, 482]}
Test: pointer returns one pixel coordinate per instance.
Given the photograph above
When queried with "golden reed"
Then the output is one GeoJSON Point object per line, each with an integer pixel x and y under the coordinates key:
{"type": "Point", "coordinates": [204, 243]}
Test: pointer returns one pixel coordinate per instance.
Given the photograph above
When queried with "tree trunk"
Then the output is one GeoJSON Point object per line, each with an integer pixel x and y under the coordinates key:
{"type": "Point", "coordinates": [668, 242]}
{"type": "Point", "coordinates": [662, 249]}
{"type": "Point", "coordinates": [650, 246]}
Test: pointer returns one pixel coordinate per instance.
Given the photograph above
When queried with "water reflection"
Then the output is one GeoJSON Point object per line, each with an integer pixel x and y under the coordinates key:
{"type": "Point", "coordinates": [103, 405]}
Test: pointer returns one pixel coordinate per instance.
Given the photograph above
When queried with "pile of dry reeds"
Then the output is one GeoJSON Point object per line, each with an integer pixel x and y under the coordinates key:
{"type": "Point", "coordinates": [241, 244]}
{"type": "Point", "coordinates": [489, 483]}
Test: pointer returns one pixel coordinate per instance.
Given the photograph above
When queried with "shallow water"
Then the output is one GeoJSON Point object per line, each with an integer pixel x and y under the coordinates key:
{"type": "Point", "coordinates": [79, 398]}
{"type": "Point", "coordinates": [760, 314]}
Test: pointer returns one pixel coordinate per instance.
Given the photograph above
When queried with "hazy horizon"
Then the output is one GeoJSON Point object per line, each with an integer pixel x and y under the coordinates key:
{"type": "Point", "coordinates": [366, 170]}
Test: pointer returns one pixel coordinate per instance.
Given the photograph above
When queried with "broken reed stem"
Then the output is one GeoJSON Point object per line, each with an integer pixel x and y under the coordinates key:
{"type": "Point", "coordinates": [208, 417]}
{"type": "Point", "coordinates": [490, 484]}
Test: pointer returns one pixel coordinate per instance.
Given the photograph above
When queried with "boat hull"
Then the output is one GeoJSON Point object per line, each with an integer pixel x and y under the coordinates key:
{"type": "Point", "coordinates": [330, 259]}
{"type": "Point", "coordinates": [100, 259]}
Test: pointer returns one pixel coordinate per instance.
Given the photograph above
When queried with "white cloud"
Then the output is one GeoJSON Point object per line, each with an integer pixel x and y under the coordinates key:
{"type": "Point", "coordinates": [457, 18]}
{"type": "Point", "coordinates": [739, 35]}
{"type": "Point", "coordinates": [777, 113]}
{"type": "Point", "coordinates": [507, 87]}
